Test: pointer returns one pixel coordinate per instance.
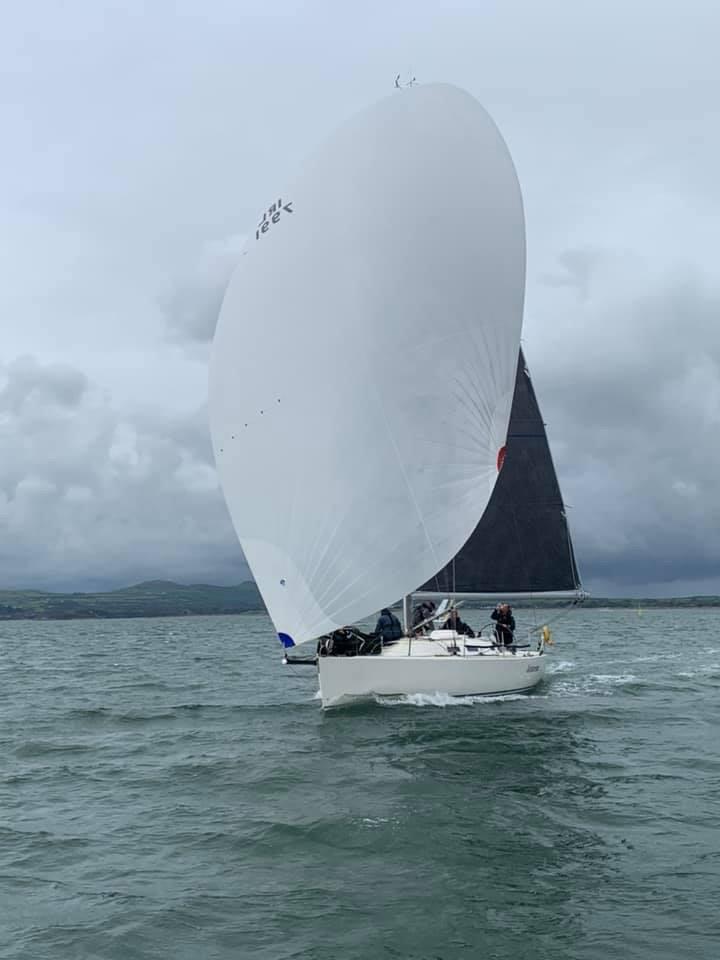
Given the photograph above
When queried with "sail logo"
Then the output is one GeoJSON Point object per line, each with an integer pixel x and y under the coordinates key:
{"type": "Point", "coordinates": [272, 215]}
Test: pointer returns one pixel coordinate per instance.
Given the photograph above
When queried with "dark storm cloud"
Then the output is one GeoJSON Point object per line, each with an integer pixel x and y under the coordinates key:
{"type": "Point", "coordinates": [136, 493]}
{"type": "Point", "coordinates": [635, 405]}
{"type": "Point", "coordinates": [26, 383]}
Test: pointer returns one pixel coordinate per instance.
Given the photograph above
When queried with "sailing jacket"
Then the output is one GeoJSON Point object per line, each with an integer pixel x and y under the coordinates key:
{"type": "Point", "coordinates": [388, 626]}
{"type": "Point", "coordinates": [503, 619]}
{"type": "Point", "coordinates": [459, 627]}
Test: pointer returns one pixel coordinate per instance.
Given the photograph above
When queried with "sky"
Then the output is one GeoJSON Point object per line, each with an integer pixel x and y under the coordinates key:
{"type": "Point", "coordinates": [141, 140]}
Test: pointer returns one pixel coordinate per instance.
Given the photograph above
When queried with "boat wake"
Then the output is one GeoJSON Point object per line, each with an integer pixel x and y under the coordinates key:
{"type": "Point", "coordinates": [446, 700]}
{"type": "Point", "coordinates": [561, 667]}
{"type": "Point", "coordinates": [598, 684]}
{"type": "Point", "coordinates": [615, 679]}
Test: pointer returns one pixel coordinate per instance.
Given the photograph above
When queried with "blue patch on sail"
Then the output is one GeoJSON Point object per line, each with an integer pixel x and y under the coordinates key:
{"type": "Point", "coordinates": [286, 640]}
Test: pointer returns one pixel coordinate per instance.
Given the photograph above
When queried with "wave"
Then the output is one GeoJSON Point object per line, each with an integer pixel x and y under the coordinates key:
{"type": "Point", "coordinates": [708, 671]}
{"type": "Point", "coordinates": [110, 715]}
{"type": "Point", "coordinates": [615, 679]}
{"type": "Point", "coordinates": [597, 684]}
{"type": "Point", "coordinates": [447, 700]}
{"type": "Point", "coordinates": [561, 667]}
{"type": "Point", "coordinates": [39, 748]}
{"type": "Point", "coordinates": [83, 713]}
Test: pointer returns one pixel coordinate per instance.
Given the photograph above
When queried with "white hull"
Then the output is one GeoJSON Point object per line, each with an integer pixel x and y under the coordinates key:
{"type": "Point", "coordinates": [425, 671]}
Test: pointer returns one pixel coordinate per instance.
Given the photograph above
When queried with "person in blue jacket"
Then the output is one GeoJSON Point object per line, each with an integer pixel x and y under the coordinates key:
{"type": "Point", "coordinates": [388, 626]}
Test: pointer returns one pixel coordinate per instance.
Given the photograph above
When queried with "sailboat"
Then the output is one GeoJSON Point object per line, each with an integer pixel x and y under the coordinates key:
{"type": "Point", "coordinates": [521, 548]}
{"type": "Point", "coordinates": [362, 378]}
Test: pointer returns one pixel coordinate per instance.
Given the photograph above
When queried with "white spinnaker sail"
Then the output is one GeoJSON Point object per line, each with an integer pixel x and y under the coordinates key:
{"type": "Point", "coordinates": [364, 362]}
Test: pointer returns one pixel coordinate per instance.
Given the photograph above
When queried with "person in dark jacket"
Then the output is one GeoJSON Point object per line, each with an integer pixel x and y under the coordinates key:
{"type": "Point", "coordinates": [504, 624]}
{"type": "Point", "coordinates": [454, 622]}
{"type": "Point", "coordinates": [388, 626]}
{"type": "Point", "coordinates": [421, 613]}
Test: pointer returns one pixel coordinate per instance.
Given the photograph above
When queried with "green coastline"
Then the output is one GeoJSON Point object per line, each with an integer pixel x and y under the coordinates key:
{"type": "Point", "coordinates": [152, 598]}
{"type": "Point", "coordinates": [164, 598]}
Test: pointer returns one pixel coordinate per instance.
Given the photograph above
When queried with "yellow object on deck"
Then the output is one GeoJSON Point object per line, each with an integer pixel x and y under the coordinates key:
{"type": "Point", "coordinates": [547, 636]}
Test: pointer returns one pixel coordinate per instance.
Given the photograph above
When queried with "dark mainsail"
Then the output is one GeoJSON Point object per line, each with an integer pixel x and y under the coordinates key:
{"type": "Point", "coordinates": [522, 543]}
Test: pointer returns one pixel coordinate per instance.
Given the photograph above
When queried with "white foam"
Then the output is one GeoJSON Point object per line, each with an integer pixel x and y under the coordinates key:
{"type": "Point", "coordinates": [599, 684]}
{"type": "Point", "coordinates": [655, 657]}
{"type": "Point", "coordinates": [614, 678]}
{"type": "Point", "coordinates": [708, 670]}
{"type": "Point", "coordinates": [562, 667]}
{"type": "Point", "coordinates": [445, 700]}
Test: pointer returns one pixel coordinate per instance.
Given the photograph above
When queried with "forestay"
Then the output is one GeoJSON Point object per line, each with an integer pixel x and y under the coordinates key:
{"type": "Point", "coordinates": [364, 362]}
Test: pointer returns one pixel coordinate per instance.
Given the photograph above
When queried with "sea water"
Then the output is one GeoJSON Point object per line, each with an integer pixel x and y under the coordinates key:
{"type": "Point", "coordinates": [169, 790]}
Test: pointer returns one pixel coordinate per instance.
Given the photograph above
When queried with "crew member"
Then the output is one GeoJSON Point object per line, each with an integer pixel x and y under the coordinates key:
{"type": "Point", "coordinates": [504, 624]}
{"type": "Point", "coordinates": [454, 622]}
{"type": "Point", "coordinates": [388, 626]}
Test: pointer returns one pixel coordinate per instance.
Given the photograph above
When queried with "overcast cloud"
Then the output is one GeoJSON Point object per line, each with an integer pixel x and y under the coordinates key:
{"type": "Point", "coordinates": [142, 139]}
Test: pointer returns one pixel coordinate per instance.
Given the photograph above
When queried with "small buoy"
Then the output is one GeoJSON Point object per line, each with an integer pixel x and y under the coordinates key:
{"type": "Point", "coordinates": [282, 582]}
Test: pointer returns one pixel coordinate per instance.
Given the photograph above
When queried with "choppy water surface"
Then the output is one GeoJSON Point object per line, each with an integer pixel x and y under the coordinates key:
{"type": "Point", "coordinates": [169, 790]}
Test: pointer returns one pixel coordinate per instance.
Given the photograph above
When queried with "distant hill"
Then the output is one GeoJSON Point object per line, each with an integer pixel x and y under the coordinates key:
{"type": "Point", "coordinates": [153, 598]}
{"type": "Point", "coordinates": [616, 603]}
{"type": "Point", "coordinates": [163, 598]}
